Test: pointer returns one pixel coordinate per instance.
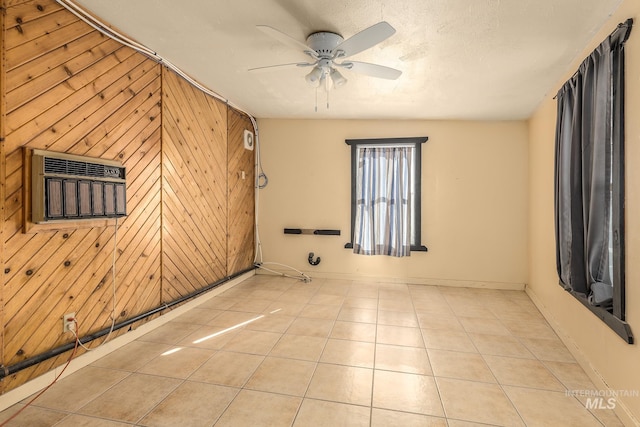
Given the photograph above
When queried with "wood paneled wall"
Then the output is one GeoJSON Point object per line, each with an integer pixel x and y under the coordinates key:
{"type": "Point", "coordinates": [240, 196]}
{"type": "Point", "coordinates": [194, 188]}
{"type": "Point", "coordinates": [67, 88]}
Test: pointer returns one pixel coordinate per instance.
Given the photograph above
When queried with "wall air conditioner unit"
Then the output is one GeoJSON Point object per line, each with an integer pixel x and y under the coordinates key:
{"type": "Point", "coordinates": [67, 187]}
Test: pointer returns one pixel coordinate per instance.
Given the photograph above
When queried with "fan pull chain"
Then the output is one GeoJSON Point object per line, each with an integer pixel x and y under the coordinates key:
{"type": "Point", "coordinates": [316, 100]}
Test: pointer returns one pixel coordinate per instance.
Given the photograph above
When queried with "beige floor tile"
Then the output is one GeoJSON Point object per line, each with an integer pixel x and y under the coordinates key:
{"type": "Point", "coordinates": [531, 329]}
{"type": "Point", "coordinates": [143, 393]}
{"type": "Point", "coordinates": [132, 356]}
{"type": "Point", "coordinates": [251, 305]}
{"type": "Point", "coordinates": [178, 362]}
{"type": "Point", "coordinates": [334, 287]}
{"type": "Point", "coordinates": [316, 311]}
{"type": "Point", "coordinates": [461, 365]}
{"type": "Point", "coordinates": [386, 418]}
{"type": "Point", "coordinates": [360, 302]}
{"type": "Point", "coordinates": [299, 347]}
{"type": "Point", "coordinates": [397, 318]}
{"type": "Point", "coordinates": [361, 315]}
{"type": "Point", "coordinates": [364, 291]}
{"type": "Point", "coordinates": [85, 421]}
{"type": "Point", "coordinates": [296, 296]}
{"type": "Point", "coordinates": [459, 423]}
{"type": "Point", "coordinates": [198, 316]}
{"type": "Point", "coordinates": [558, 408]}
{"type": "Point", "coordinates": [424, 291]}
{"type": "Point", "coordinates": [477, 402]}
{"type": "Point", "coordinates": [268, 294]}
{"type": "Point", "coordinates": [238, 292]}
{"type": "Point", "coordinates": [548, 349]}
{"type": "Point", "coordinates": [287, 308]}
{"type": "Point", "coordinates": [432, 305]}
{"type": "Point", "coordinates": [399, 335]}
{"type": "Point", "coordinates": [227, 368]}
{"type": "Point", "coordinates": [314, 413]}
{"type": "Point", "coordinates": [272, 323]}
{"type": "Point", "coordinates": [472, 310]}
{"type": "Point", "coordinates": [79, 388]}
{"type": "Point", "coordinates": [320, 328]}
{"type": "Point", "coordinates": [219, 303]}
{"type": "Point", "coordinates": [345, 384]}
{"type": "Point", "coordinates": [442, 339]}
{"type": "Point", "coordinates": [327, 299]}
{"type": "Point", "coordinates": [500, 345]}
{"type": "Point", "coordinates": [170, 333]}
{"type": "Point", "coordinates": [354, 331]}
{"type": "Point", "coordinates": [390, 294]}
{"type": "Point", "coordinates": [514, 314]}
{"type": "Point", "coordinates": [259, 409]}
{"type": "Point", "coordinates": [412, 360]}
{"type": "Point", "coordinates": [406, 392]}
{"type": "Point", "coordinates": [607, 417]}
{"type": "Point", "coordinates": [191, 404]}
{"type": "Point", "coordinates": [31, 416]}
{"type": "Point", "coordinates": [230, 319]}
{"type": "Point", "coordinates": [403, 304]}
{"type": "Point", "coordinates": [283, 376]}
{"type": "Point", "coordinates": [211, 337]}
{"type": "Point", "coordinates": [571, 375]}
{"type": "Point", "coordinates": [350, 353]}
{"type": "Point", "coordinates": [253, 342]}
{"type": "Point", "coordinates": [448, 322]}
{"type": "Point", "coordinates": [523, 373]}
{"type": "Point", "coordinates": [480, 325]}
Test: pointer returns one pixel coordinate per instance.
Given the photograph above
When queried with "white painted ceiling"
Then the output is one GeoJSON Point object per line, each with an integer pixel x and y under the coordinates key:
{"type": "Point", "coordinates": [461, 59]}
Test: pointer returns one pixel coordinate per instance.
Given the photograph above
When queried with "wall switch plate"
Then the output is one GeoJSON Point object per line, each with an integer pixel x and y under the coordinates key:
{"type": "Point", "coordinates": [248, 140]}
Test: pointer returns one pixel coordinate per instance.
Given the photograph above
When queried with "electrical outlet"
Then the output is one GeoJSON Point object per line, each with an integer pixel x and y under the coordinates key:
{"type": "Point", "coordinates": [69, 323]}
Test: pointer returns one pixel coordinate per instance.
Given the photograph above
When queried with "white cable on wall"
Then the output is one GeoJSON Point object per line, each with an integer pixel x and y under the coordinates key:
{"type": "Point", "coordinates": [261, 177]}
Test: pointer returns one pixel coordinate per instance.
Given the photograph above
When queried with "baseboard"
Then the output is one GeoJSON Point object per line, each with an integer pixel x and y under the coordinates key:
{"type": "Point", "coordinates": [415, 280]}
{"type": "Point", "coordinates": [621, 410]}
{"type": "Point", "coordinates": [33, 386]}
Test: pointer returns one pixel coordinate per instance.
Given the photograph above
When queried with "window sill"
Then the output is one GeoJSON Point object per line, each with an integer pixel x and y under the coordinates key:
{"type": "Point", "coordinates": [420, 248]}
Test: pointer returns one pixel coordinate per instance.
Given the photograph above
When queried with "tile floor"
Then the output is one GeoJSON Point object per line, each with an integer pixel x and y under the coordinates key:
{"type": "Point", "coordinates": [278, 352]}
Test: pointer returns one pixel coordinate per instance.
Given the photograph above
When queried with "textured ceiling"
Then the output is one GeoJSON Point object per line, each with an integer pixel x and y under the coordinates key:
{"type": "Point", "coordinates": [461, 59]}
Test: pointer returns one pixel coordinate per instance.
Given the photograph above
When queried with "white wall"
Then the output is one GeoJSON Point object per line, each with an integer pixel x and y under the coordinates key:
{"type": "Point", "coordinates": [474, 201]}
{"type": "Point", "coordinates": [603, 353]}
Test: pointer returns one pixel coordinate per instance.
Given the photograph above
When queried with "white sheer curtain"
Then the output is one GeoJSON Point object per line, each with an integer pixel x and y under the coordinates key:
{"type": "Point", "coordinates": [383, 201]}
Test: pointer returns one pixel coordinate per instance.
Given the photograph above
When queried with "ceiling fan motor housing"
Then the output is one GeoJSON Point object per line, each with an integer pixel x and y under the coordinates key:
{"type": "Point", "coordinates": [324, 42]}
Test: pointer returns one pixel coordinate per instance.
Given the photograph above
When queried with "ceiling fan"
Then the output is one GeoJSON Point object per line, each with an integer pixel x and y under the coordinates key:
{"type": "Point", "coordinates": [329, 52]}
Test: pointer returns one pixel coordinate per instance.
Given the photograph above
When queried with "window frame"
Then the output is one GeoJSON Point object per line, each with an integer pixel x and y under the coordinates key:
{"type": "Point", "coordinates": [416, 142]}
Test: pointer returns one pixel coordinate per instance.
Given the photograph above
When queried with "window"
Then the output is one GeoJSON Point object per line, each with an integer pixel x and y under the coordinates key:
{"type": "Point", "coordinates": [589, 183]}
{"type": "Point", "coordinates": [385, 196]}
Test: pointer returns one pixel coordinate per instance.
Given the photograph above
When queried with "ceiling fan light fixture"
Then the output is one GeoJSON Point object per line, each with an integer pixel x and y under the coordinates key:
{"type": "Point", "coordinates": [313, 78]}
{"type": "Point", "coordinates": [337, 78]}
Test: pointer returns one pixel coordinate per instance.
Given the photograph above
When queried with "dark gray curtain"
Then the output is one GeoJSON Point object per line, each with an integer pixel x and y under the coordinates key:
{"type": "Point", "coordinates": [589, 125]}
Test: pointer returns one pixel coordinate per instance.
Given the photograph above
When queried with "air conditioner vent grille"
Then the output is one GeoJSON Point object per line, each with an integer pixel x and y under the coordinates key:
{"type": "Point", "coordinates": [54, 165]}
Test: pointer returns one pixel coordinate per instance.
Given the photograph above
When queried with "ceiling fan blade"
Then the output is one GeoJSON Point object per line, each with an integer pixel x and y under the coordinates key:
{"type": "Point", "coordinates": [366, 39]}
{"type": "Point", "coordinates": [279, 66]}
{"type": "Point", "coordinates": [373, 70]}
{"type": "Point", "coordinates": [287, 40]}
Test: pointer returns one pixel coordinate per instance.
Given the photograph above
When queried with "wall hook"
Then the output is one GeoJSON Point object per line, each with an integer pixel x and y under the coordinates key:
{"type": "Point", "coordinates": [311, 261]}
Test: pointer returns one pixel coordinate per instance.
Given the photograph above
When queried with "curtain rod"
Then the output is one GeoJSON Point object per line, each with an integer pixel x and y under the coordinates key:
{"type": "Point", "coordinates": [628, 23]}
